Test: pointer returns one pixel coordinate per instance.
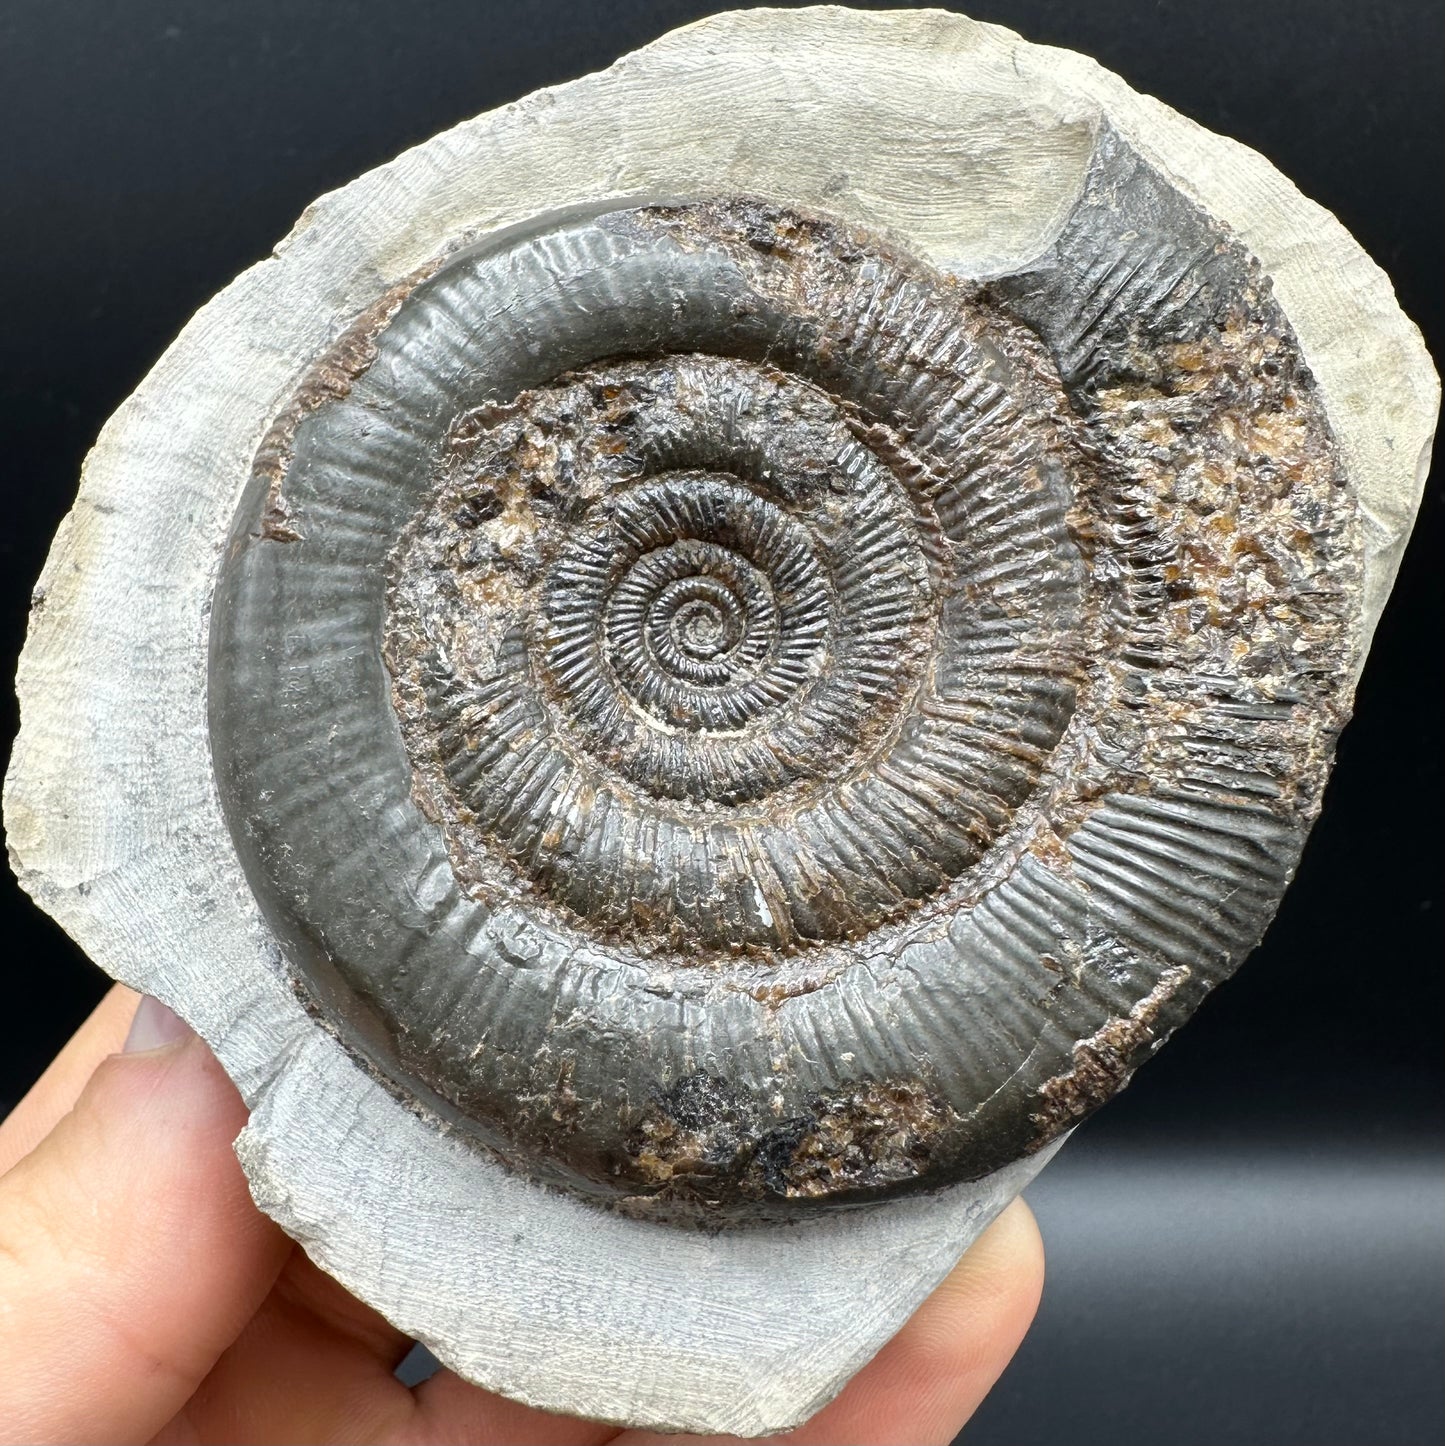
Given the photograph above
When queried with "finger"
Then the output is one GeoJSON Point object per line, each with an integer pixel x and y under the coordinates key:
{"type": "Point", "coordinates": [327, 1364]}
{"type": "Point", "coordinates": [929, 1379]}
{"type": "Point", "coordinates": [57, 1089]}
{"type": "Point", "coordinates": [449, 1409]}
{"type": "Point", "coordinates": [130, 1251]}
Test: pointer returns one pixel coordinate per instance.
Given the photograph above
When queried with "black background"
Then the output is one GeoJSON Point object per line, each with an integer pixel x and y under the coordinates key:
{"type": "Point", "coordinates": [1249, 1245]}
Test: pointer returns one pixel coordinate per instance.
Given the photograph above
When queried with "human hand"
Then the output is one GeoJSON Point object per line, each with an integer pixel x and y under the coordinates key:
{"type": "Point", "coordinates": [143, 1297]}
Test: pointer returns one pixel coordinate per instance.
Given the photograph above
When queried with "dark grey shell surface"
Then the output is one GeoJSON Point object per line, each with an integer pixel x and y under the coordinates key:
{"type": "Point", "coordinates": [734, 721]}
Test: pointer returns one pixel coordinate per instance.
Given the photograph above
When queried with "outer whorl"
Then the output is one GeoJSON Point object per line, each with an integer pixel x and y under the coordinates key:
{"type": "Point", "coordinates": [735, 719]}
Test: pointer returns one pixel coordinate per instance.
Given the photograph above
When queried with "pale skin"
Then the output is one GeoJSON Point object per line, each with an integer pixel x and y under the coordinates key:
{"type": "Point", "coordinates": [144, 1298]}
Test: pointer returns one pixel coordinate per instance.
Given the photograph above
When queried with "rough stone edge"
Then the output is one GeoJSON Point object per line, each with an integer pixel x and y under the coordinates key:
{"type": "Point", "coordinates": [113, 823]}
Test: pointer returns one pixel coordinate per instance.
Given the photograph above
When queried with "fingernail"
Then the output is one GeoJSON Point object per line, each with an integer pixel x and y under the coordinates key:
{"type": "Point", "coordinates": [153, 1026]}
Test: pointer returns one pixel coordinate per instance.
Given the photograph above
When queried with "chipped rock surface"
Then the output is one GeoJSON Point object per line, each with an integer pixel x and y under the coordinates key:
{"type": "Point", "coordinates": [1222, 420]}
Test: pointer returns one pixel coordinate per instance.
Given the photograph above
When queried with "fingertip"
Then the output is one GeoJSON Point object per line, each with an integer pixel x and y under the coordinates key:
{"type": "Point", "coordinates": [129, 1246]}
{"type": "Point", "coordinates": [929, 1379]}
{"type": "Point", "coordinates": [54, 1094]}
{"type": "Point", "coordinates": [153, 1026]}
{"type": "Point", "coordinates": [168, 1067]}
{"type": "Point", "coordinates": [1006, 1263]}
{"type": "Point", "coordinates": [969, 1328]}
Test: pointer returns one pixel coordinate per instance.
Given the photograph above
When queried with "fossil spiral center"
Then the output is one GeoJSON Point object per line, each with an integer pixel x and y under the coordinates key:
{"type": "Point", "coordinates": [703, 621]}
{"type": "Point", "coordinates": [695, 622]}
{"type": "Point", "coordinates": [711, 602]}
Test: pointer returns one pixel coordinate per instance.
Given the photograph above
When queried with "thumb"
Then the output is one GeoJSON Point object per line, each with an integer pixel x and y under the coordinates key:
{"type": "Point", "coordinates": [130, 1252]}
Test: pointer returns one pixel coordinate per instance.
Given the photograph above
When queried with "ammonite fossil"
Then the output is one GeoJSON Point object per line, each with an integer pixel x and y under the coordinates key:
{"type": "Point", "coordinates": [805, 727]}
{"type": "Point", "coordinates": [718, 689]}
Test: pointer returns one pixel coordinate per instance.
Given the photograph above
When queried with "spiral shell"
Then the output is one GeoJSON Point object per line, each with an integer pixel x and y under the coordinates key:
{"type": "Point", "coordinates": [734, 719]}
